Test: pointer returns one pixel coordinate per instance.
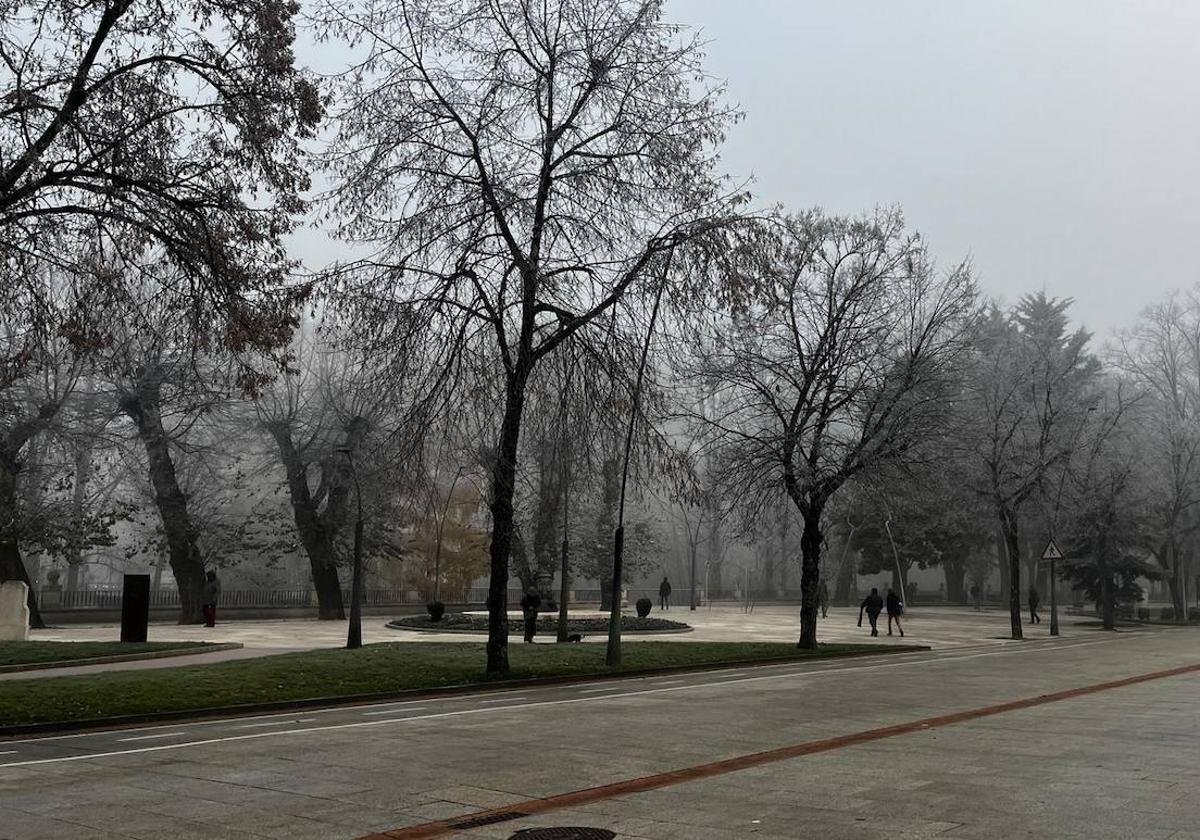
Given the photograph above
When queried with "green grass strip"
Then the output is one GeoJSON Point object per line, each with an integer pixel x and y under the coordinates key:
{"type": "Point", "coordinates": [374, 669]}
{"type": "Point", "coordinates": [37, 653]}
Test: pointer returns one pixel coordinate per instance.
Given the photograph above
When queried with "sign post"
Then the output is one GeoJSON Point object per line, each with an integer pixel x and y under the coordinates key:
{"type": "Point", "coordinates": [1052, 553]}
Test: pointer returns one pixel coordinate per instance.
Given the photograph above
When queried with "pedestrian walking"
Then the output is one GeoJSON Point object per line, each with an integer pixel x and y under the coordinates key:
{"type": "Point", "coordinates": [895, 609]}
{"type": "Point", "coordinates": [977, 596]}
{"type": "Point", "coordinates": [872, 605]}
{"type": "Point", "coordinates": [530, 604]}
{"type": "Point", "coordinates": [664, 594]}
{"type": "Point", "coordinates": [823, 598]}
{"type": "Point", "coordinates": [209, 596]}
{"type": "Point", "coordinates": [1035, 601]}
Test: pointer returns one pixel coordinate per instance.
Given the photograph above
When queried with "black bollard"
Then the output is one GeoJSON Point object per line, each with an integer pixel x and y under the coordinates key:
{"type": "Point", "coordinates": [135, 608]}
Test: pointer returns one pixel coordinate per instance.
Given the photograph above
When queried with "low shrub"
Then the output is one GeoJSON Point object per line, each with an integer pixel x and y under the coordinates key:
{"type": "Point", "coordinates": [436, 610]}
{"type": "Point", "coordinates": [1143, 613]}
{"type": "Point", "coordinates": [1167, 614]}
{"type": "Point", "coordinates": [1194, 614]}
{"type": "Point", "coordinates": [644, 605]}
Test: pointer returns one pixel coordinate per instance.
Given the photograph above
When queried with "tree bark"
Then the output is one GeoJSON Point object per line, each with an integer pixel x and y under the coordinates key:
{"type": "Point", "coordinates": [955, 571]}
{"type": "Point", "coordinates": [314, 530]}
{"type": "Point", "coordinates": [504, 477]}
{"type": "Point", "coordinates": [143, 407]}
{"type": "Point", "coordinates": [83, 474]}
{"type": "Point", "coordinates": [1011, 545]}
{"type": "Point", "coordinates": [810, 573]}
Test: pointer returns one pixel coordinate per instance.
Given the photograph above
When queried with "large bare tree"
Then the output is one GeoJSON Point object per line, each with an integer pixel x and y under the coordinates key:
{"type": "Point", "coordinates": [128, 125]}
{"type": "Point", "coordinates": [839, 350]}
{"type": "Point", "coordinates": [519, 167]}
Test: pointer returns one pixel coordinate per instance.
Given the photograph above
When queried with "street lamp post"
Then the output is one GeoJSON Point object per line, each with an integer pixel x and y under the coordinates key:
{"type": "Point", "coordinates": [354, 634]}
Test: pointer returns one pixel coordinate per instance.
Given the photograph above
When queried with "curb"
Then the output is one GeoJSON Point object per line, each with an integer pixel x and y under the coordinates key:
{"type": "Point", "coordinates": [458, 632]}
{"type": "Point", "coordinates": [215, 647]}
{"type": "Point", "coordinates": [245, 709]}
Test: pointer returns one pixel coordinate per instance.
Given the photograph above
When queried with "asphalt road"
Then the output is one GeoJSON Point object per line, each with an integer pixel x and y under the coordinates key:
{"type": "Point", "coordinates": [1076, 766]}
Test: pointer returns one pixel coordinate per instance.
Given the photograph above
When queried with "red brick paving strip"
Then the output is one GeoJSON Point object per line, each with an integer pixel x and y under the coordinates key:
{"type": "Point", "coordinates": [519, 810]}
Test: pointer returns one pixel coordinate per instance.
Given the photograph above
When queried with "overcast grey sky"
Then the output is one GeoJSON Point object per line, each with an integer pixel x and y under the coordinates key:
{"type": "Point", "coordinates": [1053, 142]}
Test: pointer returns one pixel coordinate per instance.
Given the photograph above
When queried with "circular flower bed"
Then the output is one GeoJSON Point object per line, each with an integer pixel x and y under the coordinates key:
{"type": "Point", "coordinates": [461, 623]}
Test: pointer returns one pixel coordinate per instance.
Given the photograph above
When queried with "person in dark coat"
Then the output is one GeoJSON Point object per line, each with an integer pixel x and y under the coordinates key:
{"type": "Point", "coordinates": [823, 598]}
{"type": "Point", "coordinates": [1035, 601]}
{"type": "Point", "coordinates": [873, 606]}
{"type": "Point", "coordinates": [664, 594]}
{"type": "Point", "coordinates": [895, 608]}
{"type": "Point", "coordinates": [209, 596]}
{"type": "Point", "coordinates": [530, 604]}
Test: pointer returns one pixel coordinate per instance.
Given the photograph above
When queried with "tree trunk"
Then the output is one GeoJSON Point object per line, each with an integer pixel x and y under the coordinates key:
{"type": "Point", "coordinates": [186, 564]}
{"type": "Point", "coordinates": [810, 573]}
{"type": "Point", "coordinates": [1011, 545]}
{"type": "Point", "coordinates": [1175, 581]}
{"type": "Point", "coordinates": [313, 529]}
{"type": "Point", "coordinates": [83, 474]}
{"type": "Point", "coordinates": [955, 572]}
{"type": "Point", "coordinates": [1108, 612]}
{"type": "Point", "coordinates": [504, 477]}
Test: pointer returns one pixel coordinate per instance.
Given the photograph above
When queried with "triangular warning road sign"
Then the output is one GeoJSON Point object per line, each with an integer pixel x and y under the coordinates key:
{"type": "Point", "coordinates": [1051, 552]}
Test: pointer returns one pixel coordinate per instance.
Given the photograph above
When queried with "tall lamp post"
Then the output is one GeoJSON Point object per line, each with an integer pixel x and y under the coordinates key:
{"type": "Point", "coordinates": [354, 634]}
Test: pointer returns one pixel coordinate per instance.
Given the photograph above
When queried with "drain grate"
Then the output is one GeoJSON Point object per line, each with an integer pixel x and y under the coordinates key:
{"type": "Point", "coordinates": [565, 833]}
{"type": "Point", "coordinates": [490, 819]}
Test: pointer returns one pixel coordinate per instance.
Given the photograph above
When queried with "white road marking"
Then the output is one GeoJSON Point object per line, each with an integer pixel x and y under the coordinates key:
{"type": "Point", "coordinates": [267, 723]}
{"type": "Point", "coordinates": [503, 700]}
{"type": "Point", "coordinates": [8, 752]}
{"type": "Point", "coordinates": [148, 737]}
{"type": "Point", "coordinates": [528, 705]}
{"type": "Point", "coordinates": [393, 711]}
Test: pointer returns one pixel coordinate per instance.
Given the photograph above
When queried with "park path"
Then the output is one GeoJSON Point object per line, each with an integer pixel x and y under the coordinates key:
{"type": "Point", "coordinates": [942, 628]}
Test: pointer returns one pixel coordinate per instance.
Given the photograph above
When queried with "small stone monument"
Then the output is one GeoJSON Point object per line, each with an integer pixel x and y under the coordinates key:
{"type": "Point", "coordinates": [14, 611]}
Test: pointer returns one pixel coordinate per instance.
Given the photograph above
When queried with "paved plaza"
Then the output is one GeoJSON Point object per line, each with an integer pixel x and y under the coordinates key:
{"type": "Point", "coordinates": [685, 753]}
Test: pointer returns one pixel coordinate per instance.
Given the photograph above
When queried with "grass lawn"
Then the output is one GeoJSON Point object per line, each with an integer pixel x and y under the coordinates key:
{"type": "Point", "coordinates": [37, 653]}
{"type": "Point", "coordinates": [379, 668]}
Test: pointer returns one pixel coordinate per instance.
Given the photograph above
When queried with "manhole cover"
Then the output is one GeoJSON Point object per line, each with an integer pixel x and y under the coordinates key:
{"type": "Point", "coordinates": [565, 833]}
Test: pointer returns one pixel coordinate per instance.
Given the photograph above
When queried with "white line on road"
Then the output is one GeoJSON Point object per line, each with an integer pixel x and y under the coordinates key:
{"type": "Point", "coordinates": [503, 700]}
{"type": "Point", "coordinates": [8, 752]}
{"type": "Point", "coordinates": [393, 711]}
{"type": "Point", "coordinates": [148, 737]}
{"type": "Point", "coordinates": [529, 705]}
{"type": "Point", "coordinates": [267, 723]}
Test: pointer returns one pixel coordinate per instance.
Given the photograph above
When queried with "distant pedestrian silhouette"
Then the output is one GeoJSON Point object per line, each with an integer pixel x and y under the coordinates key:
{"type": "Point", "coordinates": [823, 598]}
{"type": "Point", "coordinates": [977, 596]}
{"type": "Point", "coordinates": [873, 606]}
{"type": "Point", "coordinates": [664, 594]}
{"type": "Point", "coordinates": [1035, 601]}
{"type": "Point", "coordinates": [209, 597]}
{"type": "Point", "coordinates": [530, 604]}
{"type": "Point", "coordinates": [895, 608]}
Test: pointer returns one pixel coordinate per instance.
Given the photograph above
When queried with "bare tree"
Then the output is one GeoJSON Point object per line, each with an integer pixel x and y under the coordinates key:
{"type": "Point", "coordinates": [1024, 402]}
{"type": "Point", "coordinates": [1161, 354]}
{"type": "Point", "coordinates": [519, 166]}
{"type": "Point", "coordinates": [839, 352]}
